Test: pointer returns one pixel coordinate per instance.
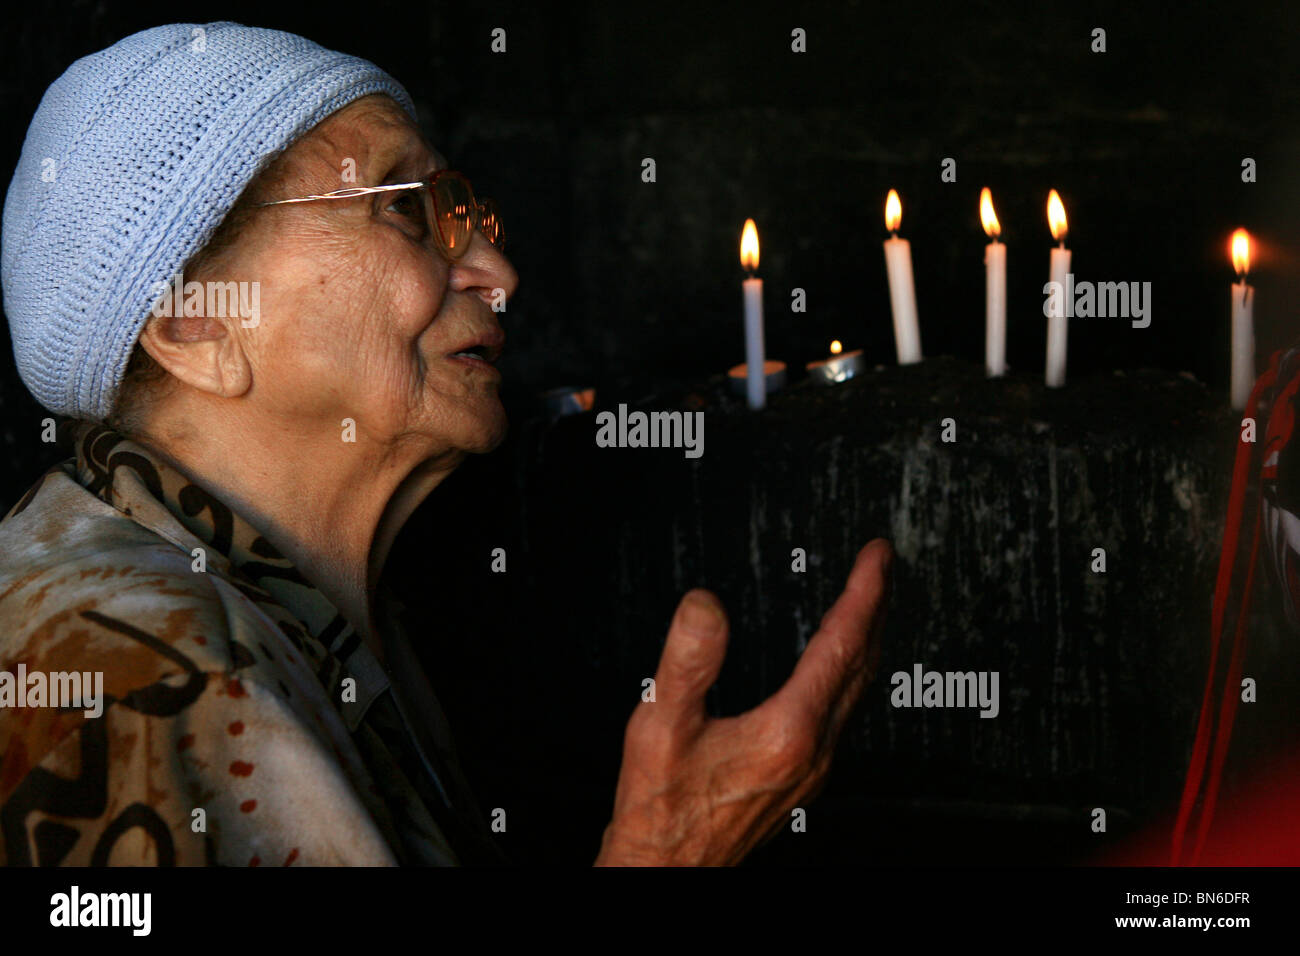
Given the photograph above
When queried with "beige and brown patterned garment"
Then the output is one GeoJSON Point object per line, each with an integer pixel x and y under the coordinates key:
{"type": "Point", "coordinates": [243, 721]}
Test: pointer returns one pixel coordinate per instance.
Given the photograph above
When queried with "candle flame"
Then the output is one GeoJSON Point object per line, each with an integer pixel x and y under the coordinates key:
{"type": "Point", "coordinates": [988, 217]}
{"type": "Point", "coordinates": [749, 246]}
{"type": "Point", "coordinates": [836, 348]}
{"type": "Point", "coordinates": [893, 211]}
{"type": "Point", "coordinates": [1241, 252]}
{"type": "Point", "coordinates": [1056, 216]}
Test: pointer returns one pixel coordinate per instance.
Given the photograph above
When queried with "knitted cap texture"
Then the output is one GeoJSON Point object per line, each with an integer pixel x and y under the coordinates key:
{"type": "Point", "coordinates": [132, 160]}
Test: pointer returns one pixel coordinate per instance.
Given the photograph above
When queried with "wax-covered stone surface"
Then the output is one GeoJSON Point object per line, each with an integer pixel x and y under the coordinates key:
{"type": "Point", "coordinates": [1100, 674]}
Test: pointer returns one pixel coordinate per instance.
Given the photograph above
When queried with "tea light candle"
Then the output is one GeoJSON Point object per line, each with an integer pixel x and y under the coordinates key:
{"type": "Point", "coordinates": [1243, 323]}
{"type": "Point", "coordinates": [568, 400]}
{"type": "Point", "coordinates": [995, 291]}
{"type": "Point", "coordinates": [838, 368]}
{"type": "Point", "coordinates": [772, 380]}
{"type": "Point", "coordinates": [902, 290]}
{"type": "Point", "coordinates": [1057, 322]}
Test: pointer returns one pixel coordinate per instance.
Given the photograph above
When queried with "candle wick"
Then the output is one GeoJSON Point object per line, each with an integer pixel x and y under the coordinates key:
{"type": "Point", "coordinates": [893, 233]}
{"type": "Point", "coordinates": [1062, 243]}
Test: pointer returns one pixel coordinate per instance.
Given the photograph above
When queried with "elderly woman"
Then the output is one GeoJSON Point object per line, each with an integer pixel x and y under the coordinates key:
{"type": "Point", "coordinates": [265, 303]}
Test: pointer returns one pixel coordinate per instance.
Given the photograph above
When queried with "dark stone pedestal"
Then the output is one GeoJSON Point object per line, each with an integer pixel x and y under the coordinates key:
{"type": "Point", "coordinates": [1100, 674]}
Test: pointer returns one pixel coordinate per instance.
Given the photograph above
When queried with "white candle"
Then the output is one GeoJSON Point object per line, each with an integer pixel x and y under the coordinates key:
{"type": "Point", "coordinates": [756, 383]}
{"type": "Point", "coordinates": [902, 291]}
{"type": "Point", "coordinates": [995, 291]}
{"type": "Point", "coordinates": [1057, 321]}
{"type": "Point", "coordinates": [1243, 323]}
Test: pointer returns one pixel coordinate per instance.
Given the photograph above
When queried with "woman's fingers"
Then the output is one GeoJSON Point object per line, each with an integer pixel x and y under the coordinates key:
{"type": "Point", "coordinates": [833, 669]}
{"type": "Point", "coordinates": [674, 804]}
{"type": "Point", "coordinates": [691, 660]}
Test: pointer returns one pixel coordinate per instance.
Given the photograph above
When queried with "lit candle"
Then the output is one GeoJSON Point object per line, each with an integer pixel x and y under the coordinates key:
{"type": "Point", "coordinates": [756, 386]}
{"type": "Point", "coordinates": [995, 291]}
{"type": "Point", "coordinates": [840, 367]}
{"type": "Point", "coordinates": [1243, 323]}
{"type": "Point", "coordinates": [902, 291]}
{"type": "Point", "coordinates": [1057, 306]}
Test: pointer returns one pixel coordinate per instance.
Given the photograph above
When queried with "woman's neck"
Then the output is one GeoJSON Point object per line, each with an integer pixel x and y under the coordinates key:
{"type": "Point", "coordinates": [333, 508]}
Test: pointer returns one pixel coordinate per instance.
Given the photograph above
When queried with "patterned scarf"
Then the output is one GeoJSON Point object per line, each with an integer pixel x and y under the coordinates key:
{"type": "Point", "coordinates": [427, 804]}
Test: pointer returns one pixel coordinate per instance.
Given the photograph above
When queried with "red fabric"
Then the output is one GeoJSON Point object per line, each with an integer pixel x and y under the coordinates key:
{"type": "Point", "coordinates": [1205, 729]}
{"type": "Point", "coordinates": [1259, 825]}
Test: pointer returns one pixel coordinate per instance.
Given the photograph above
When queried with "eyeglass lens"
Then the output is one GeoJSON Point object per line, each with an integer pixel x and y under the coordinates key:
{"type": "Point", "coordinates": [455, 211]}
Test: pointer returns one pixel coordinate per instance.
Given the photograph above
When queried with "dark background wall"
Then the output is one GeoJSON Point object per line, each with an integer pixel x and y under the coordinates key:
{"type": "Point", "coordinates": [633, 287]}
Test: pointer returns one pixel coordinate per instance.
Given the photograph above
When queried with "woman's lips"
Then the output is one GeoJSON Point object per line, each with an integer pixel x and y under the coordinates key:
{"type": "Point", "coordinates": [477, 363]}
{"type": "Point", "coordinates": [485, 347]}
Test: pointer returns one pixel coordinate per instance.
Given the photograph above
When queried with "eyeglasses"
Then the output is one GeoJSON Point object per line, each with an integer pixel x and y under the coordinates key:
{"type": "Point", "coordinates": [450, 209]}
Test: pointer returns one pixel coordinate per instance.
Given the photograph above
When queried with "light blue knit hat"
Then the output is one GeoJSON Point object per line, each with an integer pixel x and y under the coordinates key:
{"type": "Point", "coordinates": [133, 158]}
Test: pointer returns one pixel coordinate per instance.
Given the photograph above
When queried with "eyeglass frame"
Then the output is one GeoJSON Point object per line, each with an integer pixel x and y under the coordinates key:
{"type": "Point", "coordinates": [480, 211]}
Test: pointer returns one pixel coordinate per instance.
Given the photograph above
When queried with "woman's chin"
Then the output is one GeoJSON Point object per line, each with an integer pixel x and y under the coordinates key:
{"type": "Point", "coordinates": [495, 434]}
{"type": "Point", "coordinates": [485, 427]}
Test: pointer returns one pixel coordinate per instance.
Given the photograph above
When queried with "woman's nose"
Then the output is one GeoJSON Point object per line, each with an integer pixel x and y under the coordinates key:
{"type": "Point", "coordinates": [483, 268]}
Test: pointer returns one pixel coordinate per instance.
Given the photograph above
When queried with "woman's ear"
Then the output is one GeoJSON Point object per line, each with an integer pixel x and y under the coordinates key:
{"type": "Point", "coordinates": [203, 353]}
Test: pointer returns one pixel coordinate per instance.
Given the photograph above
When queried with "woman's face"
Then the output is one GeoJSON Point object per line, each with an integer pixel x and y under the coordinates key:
{"type": "Point", "coordinates": [360, 315]}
